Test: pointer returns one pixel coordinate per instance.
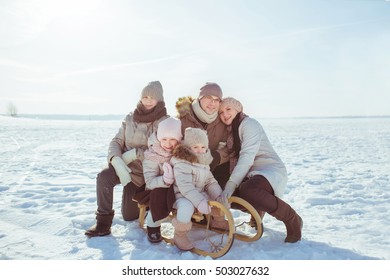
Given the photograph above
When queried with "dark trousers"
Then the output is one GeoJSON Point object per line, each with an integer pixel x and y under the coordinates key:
{"type": "Point", "coordinates": [258, 192]}
{"type": "Point", "coordinates": [221, 174]}
{"type": "Point", "coordinates": [105, 182]}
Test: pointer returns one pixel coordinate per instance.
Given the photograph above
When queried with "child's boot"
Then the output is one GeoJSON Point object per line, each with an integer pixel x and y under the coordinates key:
{"type": "Point", "coordinates": [218, 220]}
{"type": "Point", "coordinates": [180, 237]}
{"type": "Point", "coordinates": [154, 234]}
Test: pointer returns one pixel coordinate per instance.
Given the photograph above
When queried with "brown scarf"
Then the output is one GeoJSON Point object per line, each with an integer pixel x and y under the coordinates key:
{"type": "Point", "coordinates": [142, 115]}
{"type": "Point", "coordinates": [233, 142]}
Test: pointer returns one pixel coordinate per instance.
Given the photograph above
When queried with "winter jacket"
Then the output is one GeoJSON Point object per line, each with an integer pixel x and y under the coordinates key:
{"type": "Point", "coordinates": [193, 180]}
{"type": "Point", "coordinates": [216, 131]}
{"type": "Point", "coordinates": [153, 170]}
{"type": "Point", "coordinates": [133, 135]}
{"type": "Point", "coordinates": [157, 194]}
{"type": "Point", "coordinates": [257, 157]}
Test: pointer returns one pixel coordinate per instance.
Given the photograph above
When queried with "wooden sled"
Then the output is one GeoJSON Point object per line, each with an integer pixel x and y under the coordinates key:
{"type": "Point", "coordinates": [239, 204]}
{"type": "Point", "coordinates": [211, 242]}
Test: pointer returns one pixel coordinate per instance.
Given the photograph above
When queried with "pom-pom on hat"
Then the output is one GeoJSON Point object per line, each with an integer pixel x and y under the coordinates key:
{"type": "Point", "coordinates": [169, 128]}
{"type": "Point", "coordinates": [153, 89]}
{"type": "Point", "coordinates": [232, 102]}
{"type": "Point", "coordinates": [212, 89]}
{"type": "Point", "coordinates": [194, 136]}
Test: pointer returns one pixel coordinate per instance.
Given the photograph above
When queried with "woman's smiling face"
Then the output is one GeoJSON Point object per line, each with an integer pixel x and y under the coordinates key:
{"type": "Point", "coordinates": [227, 114]}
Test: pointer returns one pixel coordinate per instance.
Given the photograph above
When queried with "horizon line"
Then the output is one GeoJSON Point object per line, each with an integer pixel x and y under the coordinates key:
{"type": "Point", "coordinates": [118, 116]}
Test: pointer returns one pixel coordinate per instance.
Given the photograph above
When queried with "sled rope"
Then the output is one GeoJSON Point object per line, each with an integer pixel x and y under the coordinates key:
{"type": "Point", "coordinates": [215, 246]}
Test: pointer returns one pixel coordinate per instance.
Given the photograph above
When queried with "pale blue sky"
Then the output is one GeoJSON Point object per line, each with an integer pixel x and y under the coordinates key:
{"type": "Point", "coordinates": [280, 58]}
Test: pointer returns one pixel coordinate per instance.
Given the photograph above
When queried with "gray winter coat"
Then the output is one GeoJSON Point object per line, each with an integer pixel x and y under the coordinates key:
{"type": "Point", "coordinates": [257, 157]}
{"type": "Point", "coordinates": [133, 135]}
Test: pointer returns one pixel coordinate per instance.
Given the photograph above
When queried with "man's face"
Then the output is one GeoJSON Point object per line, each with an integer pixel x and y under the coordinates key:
{"type": "Point", "coordinates": [210, 104]}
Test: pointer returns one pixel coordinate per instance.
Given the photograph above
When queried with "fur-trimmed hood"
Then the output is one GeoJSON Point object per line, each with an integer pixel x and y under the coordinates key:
{"type": "Point", "coordinates": [183, 152]}
{"type": "Point", "coordinates": [183, 106]}
{"type": "Point", "coordinates": [216, 130]}
{"type": "Point", "coordinates": [193, 178]}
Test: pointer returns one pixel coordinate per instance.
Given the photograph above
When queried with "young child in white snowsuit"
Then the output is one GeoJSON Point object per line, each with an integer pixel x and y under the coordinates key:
{"type": "Point", "coordinates": [194, 185]}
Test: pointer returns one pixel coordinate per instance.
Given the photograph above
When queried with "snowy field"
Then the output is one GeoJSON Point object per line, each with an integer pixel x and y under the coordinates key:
{"type": "Point", "coordinates": [339, 182]}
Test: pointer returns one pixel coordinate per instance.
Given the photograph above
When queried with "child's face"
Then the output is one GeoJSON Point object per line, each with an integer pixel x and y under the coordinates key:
{"type": "Point", "coordinates": [148, 102]}
{"type": "Point", "coordinates": [168, 144]}
{"type": "Point", "coordinates": [199, 149]}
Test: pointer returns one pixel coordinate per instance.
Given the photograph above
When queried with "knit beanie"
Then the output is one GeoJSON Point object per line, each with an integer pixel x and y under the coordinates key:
{"type": "Point", "coordinates": [169, 128]}
{"type": "Point", "coordinates": [153, 89]}
{"type": "Point", "coordinates": [232, 102]}
{"type": "Point", "coordinates": [194, 136]}
{"type": "Point", "coordinates": [212, 89]}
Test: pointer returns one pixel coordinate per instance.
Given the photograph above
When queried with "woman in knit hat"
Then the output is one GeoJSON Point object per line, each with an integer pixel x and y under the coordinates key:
{"type": "Point", "coordinates": [258, 175]}
{"type": "Point", "coordinates": [202, 112]}
{"type": "Point", "coordinates": [194, 185]}
{"type": "Point", "coordinates": [158, 174]}
{"type": "Point", "coordinates": [125, 155]}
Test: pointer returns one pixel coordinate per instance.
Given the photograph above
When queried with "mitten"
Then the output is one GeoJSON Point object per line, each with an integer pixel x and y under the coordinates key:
{"type": "Point", "coordinates": [121, 170]}
{"type": "Point", "coordinates": [204, 207]}
{"type": "Point", "coordinates": [223, 199]}
{"type": "Point", "coordinates": [168, 174]}
{"type": "Point", "coordinates": [129, 156]}
{"type": "Point", "coordinates": [230, 187]}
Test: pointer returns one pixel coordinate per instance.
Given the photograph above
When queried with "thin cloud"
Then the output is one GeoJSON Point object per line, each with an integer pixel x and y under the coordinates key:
{"type": "Point", "coordinates": [123, 65]}
{"type": "Point", "coordinates": [317, 29]}
{"type": "Point", "coordinates": [15, 64]}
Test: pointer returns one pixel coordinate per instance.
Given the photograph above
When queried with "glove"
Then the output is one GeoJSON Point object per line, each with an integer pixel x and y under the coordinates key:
{"type": "Point", "coordinates": [168, 174]}
{"type": "Point", "coordinates": [121, 170]}
{"type": "Point", "coordinates": [224, 154]}
{"type": "Point", "coordinates": [224, 200]}
{"type": "Point", "coordinates": [129, 156]}
{"type": "Point", "coordinates": [230, 187]}
{"type": "Point", "coordinates": [221, 145]}
{"type": "Point", "coordinates": [204, 207]}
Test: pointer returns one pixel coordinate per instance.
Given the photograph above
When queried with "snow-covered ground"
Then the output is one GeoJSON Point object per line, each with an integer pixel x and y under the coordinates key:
{"type": "Point", "coordinates": [339, 182]}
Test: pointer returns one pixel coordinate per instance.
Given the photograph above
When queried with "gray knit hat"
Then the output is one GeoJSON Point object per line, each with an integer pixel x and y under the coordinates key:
{"type": "Point", "coordinates": [212, 89]}
{"type": "Point", "coordinates": [153, 89]}
{"type": "Point", "coordinates": [193, 136]}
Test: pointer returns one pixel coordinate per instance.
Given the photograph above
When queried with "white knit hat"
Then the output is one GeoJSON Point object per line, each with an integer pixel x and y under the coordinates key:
{"type": "Point", "coordinates": [232, 102]}
{"type": "Point", "coordinates": [169, 128]}
{"type": "Point", "coordinates": [153, 89]}
{"type": "Point", "coordinates": [193, 136]}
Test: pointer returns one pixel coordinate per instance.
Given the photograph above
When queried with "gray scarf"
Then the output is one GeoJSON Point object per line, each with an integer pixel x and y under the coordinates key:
{"type": "Point", "coordinates": [202, 115]}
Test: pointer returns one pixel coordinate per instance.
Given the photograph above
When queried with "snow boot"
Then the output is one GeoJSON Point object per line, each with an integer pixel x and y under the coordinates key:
{"type": "Point", "coordinates": [218, 220]}
{"type": "Point", "coordinates": [180, 238]}
{"type": "Point", "coordinates": [291, 220]}
{"type": "Point", "coordinates": [154, 234]}
{"type": "Point", "coordinates": [102, 226]}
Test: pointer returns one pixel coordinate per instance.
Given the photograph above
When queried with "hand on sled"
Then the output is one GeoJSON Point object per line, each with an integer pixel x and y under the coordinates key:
{"type": "Point", "coordinates": [224, 200]}
{"type": "Point", "coordinates": [204, 207]}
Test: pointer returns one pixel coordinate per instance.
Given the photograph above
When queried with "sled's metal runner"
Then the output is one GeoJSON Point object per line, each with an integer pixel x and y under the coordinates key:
{"type": "Point", "coordinates": [218, 248]}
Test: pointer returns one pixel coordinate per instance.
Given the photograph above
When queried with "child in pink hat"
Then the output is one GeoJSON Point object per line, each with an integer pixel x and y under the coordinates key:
{"type": "Point", "coordinates": [158, 172]}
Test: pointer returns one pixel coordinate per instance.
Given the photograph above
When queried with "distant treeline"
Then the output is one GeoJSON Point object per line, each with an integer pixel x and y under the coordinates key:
{"type": "Point", "coordinates": [72, 117]}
